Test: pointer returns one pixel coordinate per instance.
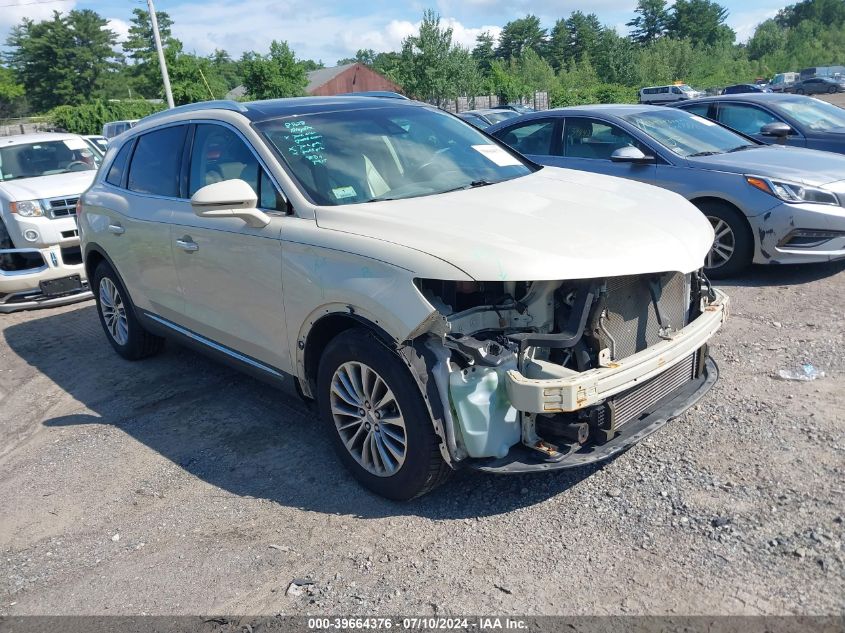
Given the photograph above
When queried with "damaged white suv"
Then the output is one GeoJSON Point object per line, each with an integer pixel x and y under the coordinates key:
{"type": "Point", "coordinates": [445, 302]}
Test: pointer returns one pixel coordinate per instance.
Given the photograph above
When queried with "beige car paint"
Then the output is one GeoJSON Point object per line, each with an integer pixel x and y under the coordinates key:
{"type": "Point", "coordinates": [259, 290]}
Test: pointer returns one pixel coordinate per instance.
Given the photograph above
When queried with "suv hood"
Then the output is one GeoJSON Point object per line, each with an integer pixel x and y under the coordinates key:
{"type": "Point", "coordinates": [55, 186]}
{"type": "Point", "coordinates": [552, 224]}
{"type": "Point", "coordinates": [807, 166]}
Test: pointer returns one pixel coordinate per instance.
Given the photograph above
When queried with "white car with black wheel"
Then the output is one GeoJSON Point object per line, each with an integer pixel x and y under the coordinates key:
{"type": "Point", "coordinates": [444, 302]}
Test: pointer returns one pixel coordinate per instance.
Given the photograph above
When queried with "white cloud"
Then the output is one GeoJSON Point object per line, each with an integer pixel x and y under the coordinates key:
{"type": "Point", "coordinates": [746, 22]}
{"type": "Point", "coordinates": [12, 15]}
{"type": "Point", "coordinates": [389, 38]}
{"type": "Point", "coordinates": [309, 28]}
{"type": "Point", "coordinates": [120, 28]}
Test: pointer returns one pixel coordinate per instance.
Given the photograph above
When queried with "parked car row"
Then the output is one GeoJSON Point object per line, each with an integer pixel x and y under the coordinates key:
{"type": "Point", "coordinates": [767, 204]}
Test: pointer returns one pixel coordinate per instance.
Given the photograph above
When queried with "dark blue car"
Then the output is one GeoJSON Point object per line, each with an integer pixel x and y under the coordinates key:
{"type": "Point", "coordinates": [804, 121]}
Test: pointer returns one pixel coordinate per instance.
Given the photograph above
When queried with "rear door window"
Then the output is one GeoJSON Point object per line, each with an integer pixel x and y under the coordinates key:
{"type": "Point", "coordinates": [157, 161]}
{"type": "Point", "coordinates": [590, 138]}
{"type": "Point", "coordinates": [744, 118]}
{"type": "Point", "coordinates": [532, 137]}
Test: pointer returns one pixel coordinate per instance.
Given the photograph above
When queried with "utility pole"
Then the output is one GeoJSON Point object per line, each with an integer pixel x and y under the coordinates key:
{"type": "Point", "coordinates": [157, 36]}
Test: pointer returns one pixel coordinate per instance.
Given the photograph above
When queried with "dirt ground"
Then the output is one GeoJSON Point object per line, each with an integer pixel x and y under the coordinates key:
{"type": "Point", "coordinates": [177, 486]}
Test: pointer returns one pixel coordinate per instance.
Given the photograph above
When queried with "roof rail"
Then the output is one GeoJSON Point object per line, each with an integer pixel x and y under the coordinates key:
{"type": "Point", "coordinates": [218, 104]}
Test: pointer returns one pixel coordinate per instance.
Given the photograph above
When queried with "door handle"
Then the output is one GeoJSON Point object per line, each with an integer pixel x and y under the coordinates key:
{"type": "Point", "coordinates": [187, 244]}
{"type": "Point", "coordinates": [116, 229]}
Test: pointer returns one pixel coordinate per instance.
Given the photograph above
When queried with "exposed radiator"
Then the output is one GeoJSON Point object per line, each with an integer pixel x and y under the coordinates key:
{"type": "Point", "coordinates": [631, 405]}
{"type": "Point", "coordinates": [626, 322]}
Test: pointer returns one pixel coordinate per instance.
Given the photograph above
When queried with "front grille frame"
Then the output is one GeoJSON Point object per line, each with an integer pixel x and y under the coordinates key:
{"type": "Point", "coordinates": [63, 207]}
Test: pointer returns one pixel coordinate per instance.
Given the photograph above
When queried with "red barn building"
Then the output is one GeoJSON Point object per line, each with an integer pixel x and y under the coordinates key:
{"type": "Point", "coordinates": [347, 78]}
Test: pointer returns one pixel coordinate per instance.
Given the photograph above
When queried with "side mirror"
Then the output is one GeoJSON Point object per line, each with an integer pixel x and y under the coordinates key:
{"type": "Point", "coordinates": [629, 154]}
{"type": "Point", "coordinates": [229, 199]}
{"type": "Point", "coordinates": [778, 130]}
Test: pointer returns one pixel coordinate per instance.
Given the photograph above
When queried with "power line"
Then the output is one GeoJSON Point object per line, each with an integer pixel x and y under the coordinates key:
{"type": "Point", "coordinates": [24, 4]}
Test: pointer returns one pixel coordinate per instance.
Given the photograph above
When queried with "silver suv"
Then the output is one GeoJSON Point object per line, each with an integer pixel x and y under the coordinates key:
{"type": "Point", "coordinates": [443, 300]}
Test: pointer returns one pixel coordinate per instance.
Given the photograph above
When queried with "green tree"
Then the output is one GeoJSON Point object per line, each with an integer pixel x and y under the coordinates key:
{"type": "Point", "coordinates": [366, 56]}
{"type": "Point", "coordinates": [584, 31]}
{"type": "Point", "coordinates": [650, 22]}
{"type": "Point", "coordinates": [426, 65]}
{"type": "Point", "coordinates": [226, 68]}
{"type": "Point", "coordinates": [485, 51]}
{"type": "Point", "coordinates": [388, 64]}
{"type": "Point", "coordinates": [557, 48]}
{"type": "Point", "coordinates": [826, 12]}
{"type": "Point", "coordinates": [61, 60]}
{"type": "Point", "coordinates": [700, 21]}
{"type": "Point", "coordinates": [139, 47]}
{"type": "Point", "coordinates": [192, 78]}
{"type": "Point", "coordinates": [615, 58]}
{"type": "Point", "coordinates": [11, 94]}
{"type": "Point", "coordinates": [275, 75]}
{"type": "Point", "coordinates": [519, 35]}
{"type": "Point", "coordinates": [769, 39]}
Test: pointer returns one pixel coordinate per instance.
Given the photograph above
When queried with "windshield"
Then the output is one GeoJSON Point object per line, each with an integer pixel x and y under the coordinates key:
{"type": "Point", "coordinates": [355, 156]}
{"type": "Point", "coordinates": [686, 134]}
{"type": "Point", "coordinates": [686, 88]}
{"type": "Point", "coordinates": [815, 114]}
{"type": "Point", "coordinates": [498, 117]}
{"type": "Point", "coordinates": [46, 158]}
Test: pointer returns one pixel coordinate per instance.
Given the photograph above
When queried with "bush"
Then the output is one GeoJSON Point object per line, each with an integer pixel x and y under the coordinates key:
{"type": "Point", "coordinates": [89, 118]}
{"type": "Point", "coordinates": [568, 95]}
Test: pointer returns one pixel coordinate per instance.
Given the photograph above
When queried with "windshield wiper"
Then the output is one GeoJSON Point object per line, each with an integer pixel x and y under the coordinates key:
{"type": "Point", "coordinates": [697, 154]}
{"type": "Point", "coordinates": [739, 148]}
{"type": "Point", "coordinates": [472, 185]}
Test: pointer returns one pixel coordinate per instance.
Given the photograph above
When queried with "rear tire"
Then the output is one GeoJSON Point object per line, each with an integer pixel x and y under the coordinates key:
{"type": "Point", "coordinates": [799, 91]}
{"type": "Point", "coordinates": [375, 415]}
{"type": "Point", "coordinates": [832, 90]}
{"type": "Point", "coordinates": [733, 246]}
{"type": "Point", "coordinates": [117, 316]}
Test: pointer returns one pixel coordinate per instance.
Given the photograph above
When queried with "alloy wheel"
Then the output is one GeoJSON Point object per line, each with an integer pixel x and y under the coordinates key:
{"type": "Point", "coordinates": [368, 419]}
{"type": "Point", "coordinates": [114, 311]}
{"type": "Point", "coordinates": [724, 244]}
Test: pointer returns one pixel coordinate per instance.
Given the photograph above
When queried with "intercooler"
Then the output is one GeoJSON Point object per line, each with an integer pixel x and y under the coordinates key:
{"type": "Point", "coordinates": [626, 319]}
{"type": "Point", "coordinates": [631, 405]}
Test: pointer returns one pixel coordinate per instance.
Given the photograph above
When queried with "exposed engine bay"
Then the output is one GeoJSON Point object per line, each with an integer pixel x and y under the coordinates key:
{"type": "Point", "coordinates": [502, 337]}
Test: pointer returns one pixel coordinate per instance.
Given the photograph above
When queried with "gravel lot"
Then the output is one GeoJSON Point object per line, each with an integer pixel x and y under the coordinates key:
{"type": "Point", "coordinates": [176, 485]}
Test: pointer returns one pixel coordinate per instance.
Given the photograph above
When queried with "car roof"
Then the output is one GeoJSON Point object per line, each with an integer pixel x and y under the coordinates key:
{"type": "Point", "coordinates": [614, 109]}
{"type": "Point", "coordinates": [257, 111]}
{"type": "Point", "coordinates": [752, 97]}
{"type": "Point", "coordinates": [20, 139]}
{"type": "Point", "coordinates": [485, 110]}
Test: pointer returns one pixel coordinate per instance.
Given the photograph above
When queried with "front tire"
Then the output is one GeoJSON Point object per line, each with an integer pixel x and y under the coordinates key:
{"type": "Point", "coordinates": [733, 245]}
{"type": "Point", "coordinates": [377, 419]}
{"type": "Point", "coordinates": [117, 316]}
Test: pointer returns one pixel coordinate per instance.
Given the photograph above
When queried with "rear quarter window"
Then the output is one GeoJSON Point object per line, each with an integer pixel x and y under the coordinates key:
{"type": "Point", "coordinates": [118, 166]}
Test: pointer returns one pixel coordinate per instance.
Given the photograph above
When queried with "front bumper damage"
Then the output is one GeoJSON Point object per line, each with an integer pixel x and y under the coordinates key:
{"type": "Point", "coordinates": [531, 408]}
{"type": "Point", "coordinates": [522, 459]}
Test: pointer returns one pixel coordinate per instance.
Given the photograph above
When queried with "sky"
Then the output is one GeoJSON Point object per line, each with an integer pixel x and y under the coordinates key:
{"type": "Point", "coordinates": [328, 30]}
